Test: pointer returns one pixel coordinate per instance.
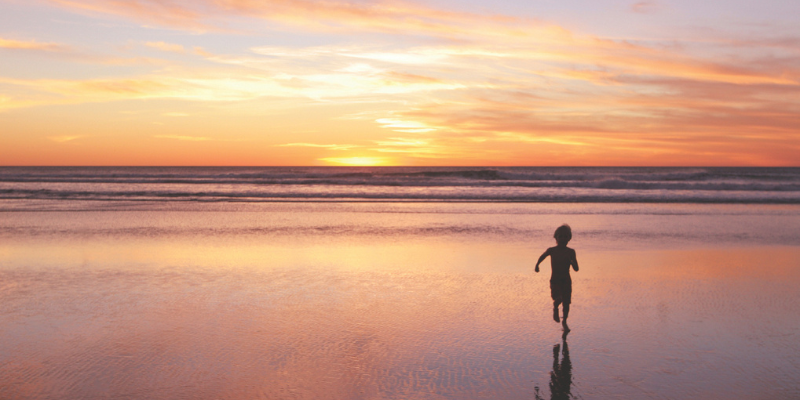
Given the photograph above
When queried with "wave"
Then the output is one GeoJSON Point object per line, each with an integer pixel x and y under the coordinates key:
{"type": "Point", "coordinates": [584, 195]}
{"type": "Point", "coordinates": [610, 183]}
{"type": "Point", "coordinates": [551, 184]}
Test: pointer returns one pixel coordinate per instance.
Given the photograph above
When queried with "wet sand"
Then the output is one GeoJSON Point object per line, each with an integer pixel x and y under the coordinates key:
{"type": "Point", "coordinates": [398, 301]}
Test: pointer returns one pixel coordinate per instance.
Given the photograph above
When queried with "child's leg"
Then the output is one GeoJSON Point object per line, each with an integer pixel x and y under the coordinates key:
{"type": "Point", "coordinates": [564, 320]}
{"type": "Point", "coordinates": [555, 294]}
{"type": "Point", "coordinates": [566, 299]}
{"type": "Point", "coordinates": [555, 310]}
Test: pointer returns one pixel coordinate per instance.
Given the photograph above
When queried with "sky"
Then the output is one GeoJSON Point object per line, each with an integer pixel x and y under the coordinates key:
{"type": "Point", "coordinates": [365, 82]}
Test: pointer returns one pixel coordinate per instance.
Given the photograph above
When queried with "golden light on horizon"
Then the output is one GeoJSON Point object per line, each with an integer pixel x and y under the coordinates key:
{"type": "Point", "coordinates": [359, 161]}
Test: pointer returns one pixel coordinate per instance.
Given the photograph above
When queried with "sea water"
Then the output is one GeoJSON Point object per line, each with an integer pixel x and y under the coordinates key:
{"type": "Point", "coordinates": [336, 283]}
{"type": "Point", "coordinates": [523, 184]}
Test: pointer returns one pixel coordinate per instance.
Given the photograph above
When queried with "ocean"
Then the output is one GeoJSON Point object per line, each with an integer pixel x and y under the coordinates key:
{"type": "Point", "coordinates": [432, 184]}
{"type": "Point", "coordinates": [397, 283]}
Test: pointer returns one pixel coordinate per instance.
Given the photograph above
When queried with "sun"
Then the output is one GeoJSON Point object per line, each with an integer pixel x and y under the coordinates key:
{"type": "Point", "coordinates": [358, 161]}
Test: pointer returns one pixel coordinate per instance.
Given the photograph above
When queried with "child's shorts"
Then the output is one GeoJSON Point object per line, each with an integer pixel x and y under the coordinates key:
{"type": "Point", "coordinates": [561, 291]}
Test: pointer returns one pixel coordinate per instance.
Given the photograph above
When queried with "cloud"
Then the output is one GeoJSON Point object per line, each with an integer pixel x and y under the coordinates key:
{"type": "Point", "coordinates": [168, 47]}
{"type": "Point", "coordinates": [476, 84]}
{"type": "Point", "coordinates": [31, 45]}
{"type": "Point", "coordinates": [187, 87]}
{"type": "Point", "coordinates": [363, 161]}
{"type": "Point", "coordinates": [600, 58]}
{"type": "Point", "coordinates": [8, 103]}
{"type": "Point", "coordinates": [65, 138]}
{"type": "Point", "coordinates": [62, 52]}
{"type": "Point", "coordinates": [638, 121]}
{"type": "Point", "coordinates": [574, 57]}
{"type": "Point", "coordinates": [404, 125]}
{"type": "Point", "coordinates": [180, 49]}
{"type": "Point", "coordinates": [515, 42]}
{"type": "Point", "coordinates": [184, 138]}
{"type": "Point", "coordinates": [325, 146]}
{"type": "Point", "coordinates": [340, 16]}
{"type": "Point", "coordinates": [354, 82]}
{"type": "Point", "coordinates": [645, 7]}
{"type": "Point", "coordinates": [406, 56]}
{"type": "Point", "coordinates": [416, 148]}
{"type": "Point", "coordinates": [152, 11]}
{"type": "Point", "coordinates": [406, 78]}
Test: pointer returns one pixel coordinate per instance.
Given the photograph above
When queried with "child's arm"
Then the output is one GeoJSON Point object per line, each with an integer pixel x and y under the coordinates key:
{"type": "Point", "coordinates": [574, 261]}
{"type": "Point", "coordinates": [541, 258]}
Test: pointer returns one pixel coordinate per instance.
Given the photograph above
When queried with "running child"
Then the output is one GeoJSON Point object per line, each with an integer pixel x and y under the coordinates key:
{"type": "Point", "coordinates": [561, 258]}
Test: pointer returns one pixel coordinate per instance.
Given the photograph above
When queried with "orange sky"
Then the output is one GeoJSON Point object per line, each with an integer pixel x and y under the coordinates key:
{"type": "Point", "coordinates": [279, 82]}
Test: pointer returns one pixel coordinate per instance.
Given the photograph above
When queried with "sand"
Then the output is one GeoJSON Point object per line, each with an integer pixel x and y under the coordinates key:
{"type": "Point", "coordinates": [398, 301]}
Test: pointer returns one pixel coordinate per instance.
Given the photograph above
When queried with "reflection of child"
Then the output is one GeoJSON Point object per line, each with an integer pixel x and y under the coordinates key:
{"type": "Point", "coordinates": [561, 258]}
{"type": "Point", "coordinates": [561, 376]}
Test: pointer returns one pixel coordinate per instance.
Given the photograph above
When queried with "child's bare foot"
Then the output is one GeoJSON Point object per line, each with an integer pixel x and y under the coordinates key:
{"type": "Point", "coordinates": [555, 314]}
{"type": "Point", "coordinates": [565, 326]}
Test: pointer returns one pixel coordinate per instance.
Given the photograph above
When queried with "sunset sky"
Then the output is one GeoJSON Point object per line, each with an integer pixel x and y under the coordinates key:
{"type": "Point", "coordinates": [364, 82]}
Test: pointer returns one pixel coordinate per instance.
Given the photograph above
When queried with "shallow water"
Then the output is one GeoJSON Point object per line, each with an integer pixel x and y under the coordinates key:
{"type": "Point", "coordinates": [397, 301]}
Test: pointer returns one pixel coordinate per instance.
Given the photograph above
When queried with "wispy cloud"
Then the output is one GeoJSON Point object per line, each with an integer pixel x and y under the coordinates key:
{"type": "Point", "coordinates": [151, 11]}
{"type": "Point", "coordinates": [507, 36]}
{"type": "Point", "coordinates": [63, 52]}
{"type": "Point", "coordinates": [169, 47]}
{"type": "Point", "coordinates": [359, 161]}
{"type": "Point", "coordinates": [645, 7]}
{"type": "Point", "coordinates": [383, 16]}
{"type": "Point", "coordinates": [679, 120]}
{"type": "Point", "coordinates": [352, 81]}
{"type": "Point", "coordinates": [437, 83]}
{"type": "Point", "coordinates": [191, 88]}
{"type": "Point", "coordinates": [400, 125]}
{"type": "Point", "coordinates": [31, 45]}
{"type": "Point", "coordinates": [184, 138]}
{"type": "Point", "coordinates": [180, 49]}
{"type": "Point", "coordinates": [416, 148]}
{"type": "Point", "coordinates": [65, 138]}
{"type": "Point", "coordinates": [324, 146]}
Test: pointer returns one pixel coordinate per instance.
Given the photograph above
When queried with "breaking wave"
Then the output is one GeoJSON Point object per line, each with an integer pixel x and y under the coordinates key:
{"type": "Point", "coordinates": [527, 184]}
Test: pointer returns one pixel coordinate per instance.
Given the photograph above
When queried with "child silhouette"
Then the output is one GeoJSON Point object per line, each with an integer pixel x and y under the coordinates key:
{"type": "Point", "coordinates": [561, 258]}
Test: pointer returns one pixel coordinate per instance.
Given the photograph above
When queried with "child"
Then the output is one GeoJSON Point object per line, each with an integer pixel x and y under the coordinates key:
{"type": "Point", "coordinates": [561, 257]}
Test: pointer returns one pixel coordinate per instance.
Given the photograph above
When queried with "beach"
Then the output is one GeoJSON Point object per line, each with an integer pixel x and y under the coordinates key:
{"type": "Point", "coordinates": [396, 300]}
{"type": "Point", "coordinates": [399, 200]}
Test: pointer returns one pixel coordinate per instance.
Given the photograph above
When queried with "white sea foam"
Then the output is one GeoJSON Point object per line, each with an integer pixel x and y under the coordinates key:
{"type": "Point", "coordinates": [522, 184]}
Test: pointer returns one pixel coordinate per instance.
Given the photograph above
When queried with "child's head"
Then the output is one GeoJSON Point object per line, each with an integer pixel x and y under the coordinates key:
{"type": "Point", "coordinates": [563, 234]}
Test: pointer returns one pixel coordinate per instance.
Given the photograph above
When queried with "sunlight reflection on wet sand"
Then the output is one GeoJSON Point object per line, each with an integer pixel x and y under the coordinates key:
{"type": "Point", "coordinates": [370, 316]}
